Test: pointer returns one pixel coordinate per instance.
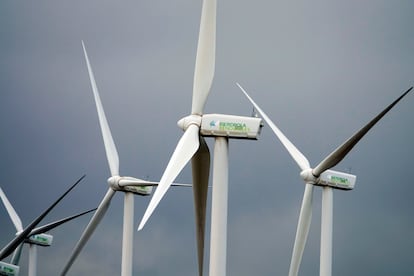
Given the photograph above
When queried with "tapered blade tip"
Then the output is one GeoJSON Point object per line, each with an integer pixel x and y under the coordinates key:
{"type": "Point", "coordinates": [142, 224]}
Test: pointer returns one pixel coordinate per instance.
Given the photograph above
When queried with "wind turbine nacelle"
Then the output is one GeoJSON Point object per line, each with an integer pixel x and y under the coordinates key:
{"type": "Point", "coordinates": [231, 126]}
{"type": "Point", "coordinates": [9, 269]}
{"type": "Point", "coordinates": [140, 190]}
{"type": "Point", "coordinates": [40, 239]}
{"type": "Point", "coordinates": [337, 180]}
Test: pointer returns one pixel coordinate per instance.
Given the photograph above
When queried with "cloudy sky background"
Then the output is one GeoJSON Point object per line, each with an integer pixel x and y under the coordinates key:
{"type": "Point", "coordinates": [320, 70]}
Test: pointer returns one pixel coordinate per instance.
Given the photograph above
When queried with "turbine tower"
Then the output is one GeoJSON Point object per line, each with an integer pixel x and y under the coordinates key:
{"type": "Point", "coordinates": [192, 146]}
{"type": "Point", "coordinates": [328, 179]}
{"type": "Point", "coordinates": [128, 185]}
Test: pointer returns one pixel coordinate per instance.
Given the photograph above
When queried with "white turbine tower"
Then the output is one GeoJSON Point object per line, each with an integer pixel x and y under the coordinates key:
{"type": "Point", "coordinates": [192, 146]}
{"type": "Point", "coordinates": [328, 179]}
{"type": "Point", "coordinates": [36, 237]}
{"type": "Point", "coordinates": [128, 185]}
{"type": "Point", "coordinates": [30, 230]}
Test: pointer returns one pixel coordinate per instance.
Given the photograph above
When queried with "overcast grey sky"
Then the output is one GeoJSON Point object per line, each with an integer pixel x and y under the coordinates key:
{"type": "Point", "coordinates": [320, 69]}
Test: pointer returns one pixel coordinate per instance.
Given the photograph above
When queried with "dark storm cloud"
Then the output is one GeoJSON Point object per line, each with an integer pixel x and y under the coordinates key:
{"type": "Point", "coordinates": [320, 70]}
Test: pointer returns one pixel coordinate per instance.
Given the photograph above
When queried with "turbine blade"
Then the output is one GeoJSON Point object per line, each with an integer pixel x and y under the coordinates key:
{"type": "Point", "coordinates": [181, 185]}
{"type": "Point", "coordinates": [206, 54]}
{"type": "Point", "coordinates": [9, 248]}
{"type": "Point", "coordinates": [110, 148]}
{"type": "Point", "coordinates": [339, 153]}
{"type": "Point", "coordinates": [201, 171]}
{"type": "Point", "coordinates": [186, 148]}
{"type": "Point", "coordinates": [299, 158]}
{"type": "Point", "coordinates": [52, 225]}
{"type": "Point", "coordinates": [12, 213]}
{"type": "Point", "coordinates": [90, 228]}
{"type": "Point", "coordinates": [302, 231]}
{"type": "Point", "coordinates": [17, 254]}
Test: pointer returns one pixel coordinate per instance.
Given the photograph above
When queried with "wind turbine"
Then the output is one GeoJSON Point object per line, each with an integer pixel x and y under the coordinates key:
{"type": "Point", "coordinates": [192, 146]}
{"type": "Point", "coordinates": [128, 185]}
{"type": "Point", "coordinates": [36, 237]}
{"type": "Point", "coordinates": [320, 176]}
{"type": "Point", "coordinates": [28, 231]}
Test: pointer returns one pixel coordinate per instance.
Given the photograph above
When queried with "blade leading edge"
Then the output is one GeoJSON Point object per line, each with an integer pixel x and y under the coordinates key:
{"type": "Point", "coordinates": [90, 228]}
{"type": "Point", "coordinates": [201, 171]}
{"type": "Point", "coordinates": [186, 148]}
{"type": "Point", "coordinates": [305, 218]}
{"type": "Point", "coordinates": [339, 153]}
{"type": "Point", "coordinates": [205, 59]}
{"type": "Point", "coordinates": [300, 159]}
{"type": "Point", "coordinates": [17, 254]}
{"type": "Point", "coordinates": [12, 213]}
{"type": "Point", "coordinates": [110, 148]}
{"type": "Point", "coordinates": [52, 225]}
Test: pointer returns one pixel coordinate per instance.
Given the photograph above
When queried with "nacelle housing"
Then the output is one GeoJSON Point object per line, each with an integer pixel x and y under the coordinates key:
{"type": "Point", "coordinates": [231, 126]}
{"type": "Point", "coordinates": [337, 180]}
{"type": "Point", "coordinates": [140, 190]}
{"type": "Point", "coordinates": [9, 269]}
{"type": "Point", "coordinates": [40, 239]}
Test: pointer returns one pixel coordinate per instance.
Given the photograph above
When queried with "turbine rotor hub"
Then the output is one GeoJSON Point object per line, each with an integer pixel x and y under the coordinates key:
{"type": "Point", "coordinates": [113, 182]}
{"type": "Point", "coordinates": [308, 176]}
{"type": "Point", "coordinates": [185, 122]}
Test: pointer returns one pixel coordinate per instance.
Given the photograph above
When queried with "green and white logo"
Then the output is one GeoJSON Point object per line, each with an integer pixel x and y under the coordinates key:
{"type": "Point", "coordinates": [230, 126]}
{"type": "Point", "coordinates": [40, 238]}
{"type": "Point", "coordinates": [339, 180]}
{"type": "Point", "coordinates": [7, 269]}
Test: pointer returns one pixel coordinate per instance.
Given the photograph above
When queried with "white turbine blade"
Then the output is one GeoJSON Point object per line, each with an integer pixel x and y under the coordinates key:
{"type": "Point", "coordinates": [302, 231]}
{"type": "Point", "coordinates": [187, 146]}
{"type": "Point", "coordinates": [110, 148]}
{"type": "Point", "coordinates": [12, 213]}
{"type": "Point", "coordinates": [206, 54]}
{"type": "Point", "coordinates": [300, 159]}
{"type": "Point", "coordinates": [201, 171]}
{"type": "Point", "coordinates": [339, 153]}
{"type": "Point", "coordinates": [90, 228]}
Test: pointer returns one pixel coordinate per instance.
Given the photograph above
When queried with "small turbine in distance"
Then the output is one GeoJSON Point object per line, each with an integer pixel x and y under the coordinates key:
{"type": "Point", "coordinates": [320, 176]}
{"type": "Point", "coordinates": [36, 237]}
{"type": "Point", "coordinates": [30, 229]}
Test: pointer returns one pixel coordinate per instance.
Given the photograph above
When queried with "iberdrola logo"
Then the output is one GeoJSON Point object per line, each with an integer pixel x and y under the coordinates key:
{"type": "Point", "coordinates": [214, 123]}
{"type": "Point", "coordinates": [229, 126]}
